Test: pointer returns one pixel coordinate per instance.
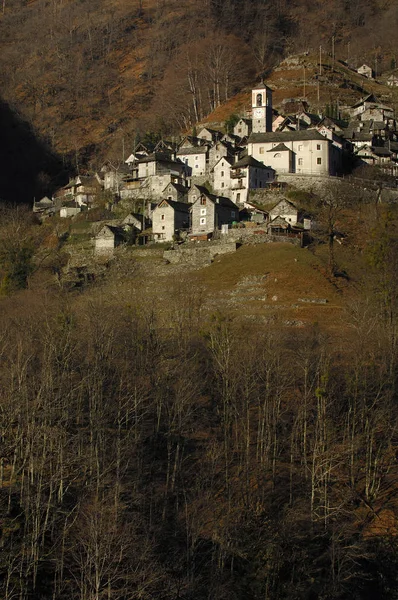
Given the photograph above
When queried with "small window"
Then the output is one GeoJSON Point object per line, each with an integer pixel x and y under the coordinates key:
{"type": "Point", "coordinates": [202, 211]}
{"type": "Point", "coordinates": [162, 218]}
{"type": "Point", "coordinates": [300, 161]}
{"type": "Point", "coordinates": [222, 184]}
{"type": "Point", "coordinates": [319, 147]}
{"type": "Point", "coordinates": [277, 155]}
{"type": "Point", "coordinates": [259, 99]}
{"type": "Point", "coordinates": [222, 173]}
{"type": "Point", "coordinates": [163, 227]}
{"type": "Point", "coordinates": [232, 214]}
{"type": "Point", "coordinates": [238, 197]}
{"type": "Point", "coordinates": [196, 158]}
{"type": "Point", "coordinates": [318, 161]}
{"type": "Point", "coordinates": [196, 166]}
{"type": "Point", "coordinates": [261, 150]}
{"type": "Point", "coordinates": [239, 130]}
{"type": "Point", "coordinates": [300, 148]}
{"type": "Point", "coordinates": [203, 221]}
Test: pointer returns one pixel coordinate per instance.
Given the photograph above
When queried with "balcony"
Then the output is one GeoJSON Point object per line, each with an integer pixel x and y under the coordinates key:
{"type": "Point", "coordinates": [238, 174]}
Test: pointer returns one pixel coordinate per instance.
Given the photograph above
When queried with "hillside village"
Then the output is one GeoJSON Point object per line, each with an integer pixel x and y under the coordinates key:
{"type": "Point", "coordinates": [202, 186]}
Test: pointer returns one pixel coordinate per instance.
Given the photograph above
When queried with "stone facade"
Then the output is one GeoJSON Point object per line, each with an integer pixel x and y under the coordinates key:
{"type": "Point", "coordinates": [210, 212]}
{"type": "Point", "coordinates": [286, 210]}
{"type": "Point", "coordinates": [168, 218]}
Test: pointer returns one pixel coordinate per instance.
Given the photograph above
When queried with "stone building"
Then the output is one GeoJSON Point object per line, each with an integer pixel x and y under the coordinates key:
{"type": "Point", "coordinates": [248, 174]}
{"type": "Point", "coordinates": [169, 218]}
{"type": "Point", "coordinates": [209, 212]}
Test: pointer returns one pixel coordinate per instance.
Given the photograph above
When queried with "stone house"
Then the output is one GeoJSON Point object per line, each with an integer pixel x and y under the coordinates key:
{"type": "Point", "coordinates": [113, 176]}
{"type": "Point", "coordinates": [285, 210]}
{"type": "Point", "coordinates": [366, 71]}
{"type": "Point", "coordinates": [134, 220]}
{"type": "Point", "coordinates": [231, 139]}
{"type": "Point", "coordinates": [359, 107]}
{"type": "Point", "coordinates": [170, 218]}
{"type": "Point", "coordinates": [222, 176]}
{"type": "Point", "coordinates": [153, 173]}
{"type": "Point", "coordinates": [374, 155]}
{"type": "Point", "coordinates": [176, 192]}
{"type": "Point", "coordinates": [248, 174]}
{"type": "Point", "coordinates": [210, 135]}
{"type": "Point", "coordinates": [278, 225]}
{"type": "Point", "coordinates": [83, 190]}
{"type": "Point", "coordinates": [166, 146]}
{"type": "Point", "coordinates": [243, 128]}
{"type": "Point", "coordinates": [209, 212]}
{"type": "Point", "coordinates": [306, 152]}
{"type": "Point", "coordinates": [220, 150]}
{"type": "Point", "coordinates": [159, 164]}
{"type": "Point", "coordinates": [108, 238]}
{"type": "Point", "coordinates": [379, 112]}
{"type": "Point", "coordinates": [44, 207]}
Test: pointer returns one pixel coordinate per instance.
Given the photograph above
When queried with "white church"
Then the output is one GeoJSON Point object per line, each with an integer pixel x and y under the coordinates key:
{"type": "Point", "coordinates": [304, 152]}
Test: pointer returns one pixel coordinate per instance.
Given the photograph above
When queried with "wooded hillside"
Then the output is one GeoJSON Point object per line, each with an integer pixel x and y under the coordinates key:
{"type": "Point", "coordinates": [91, 76]}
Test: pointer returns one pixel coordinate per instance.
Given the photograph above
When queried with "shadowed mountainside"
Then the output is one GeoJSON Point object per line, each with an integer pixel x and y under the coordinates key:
{"type": "Point", "coordinates": [28, 168]}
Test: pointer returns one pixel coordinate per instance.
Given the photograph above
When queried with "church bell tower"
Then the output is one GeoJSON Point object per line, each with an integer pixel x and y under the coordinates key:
{"type": "Point", "coordinates": [261, 109]}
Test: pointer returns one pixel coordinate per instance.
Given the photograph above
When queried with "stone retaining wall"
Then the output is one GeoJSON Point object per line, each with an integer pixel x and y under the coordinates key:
{"type": "Point", "coordinates": [201, 254]}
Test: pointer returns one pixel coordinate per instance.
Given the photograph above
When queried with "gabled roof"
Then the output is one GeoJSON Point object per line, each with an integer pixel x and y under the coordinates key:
{"type": "Point", "coordinates": [228, 160]}
{"type": "Point", "coordinates": [280, 221]}
{"type": "Point", "coordinates": [220, 200]}
{"type": "Point", "coordinates": [249, 161]}
{"type": "Point", "coordinates": [213, 132]}
{"type": "Point", "coordinates": [279, 148]}
{"type": "Point", "coordinates": [284, 201]}
{"type": "Point", "coordinates": [369, 98]}
{"type": "Point", "coordinates": [44, 201]}
{"type": "Point", "coordinates": [116, 230]}
{"type": "Point", "coordinates": [178, 206]}
{"type": "Point", "coordinates": [177, 186]}
{"type": "Point", "coordinates": [193, 141]}
{"type": "Point", "coordinates": [286, 136]}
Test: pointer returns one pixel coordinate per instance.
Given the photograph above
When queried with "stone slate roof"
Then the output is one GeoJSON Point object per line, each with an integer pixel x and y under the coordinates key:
{"type": "Point", "coordinates": [284, 201]}
{"type": "Point", "coordinates": [178, 187]}
{"type": "Point", "coordinates": [380, 151]}
{"type": "Point", "coordinates": [196, 150]}
{"type": "Point", "coordinates": [286, 136]}
{"type": "Point", "coordinates": [220, 200]}
{"type": "Point", "coordinates": [180, 206]}
{"type": "Point", "coordinates": [249, 161]}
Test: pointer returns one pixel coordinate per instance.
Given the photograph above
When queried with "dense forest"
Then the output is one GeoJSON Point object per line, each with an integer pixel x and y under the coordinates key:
{"type": "Point", "coordinates": [92, 76]}
{"type": "Point", "coordinates": [151, 448]}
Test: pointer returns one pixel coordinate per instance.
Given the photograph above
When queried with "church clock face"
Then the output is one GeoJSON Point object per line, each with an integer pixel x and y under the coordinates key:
{"type": "Point", "coordinates": [258, 113]}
